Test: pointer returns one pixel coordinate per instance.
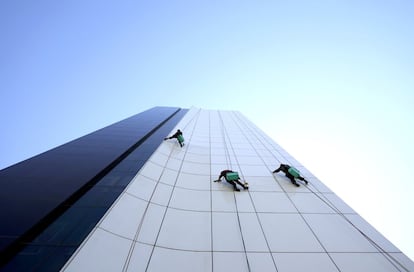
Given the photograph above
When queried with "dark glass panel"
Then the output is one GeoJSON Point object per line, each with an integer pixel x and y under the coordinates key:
{"type": "Point", "coordinates": [65, 173]}
{"type": "Point", "coordinates": [56, 259]}
{"type": "Point", "coordinates": [28, 259]}
{"type": "Point", "coordinates": [39, 258]}
{"type": "Point", "coordinates": [84, 226]}
{"type": "Point", "coordinates": [100, 196]}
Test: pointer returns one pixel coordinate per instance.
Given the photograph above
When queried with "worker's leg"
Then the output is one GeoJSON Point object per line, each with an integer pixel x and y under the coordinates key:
{"type": "Point", "coordinates": [234, 185]}
{"type": "Point", "coordinates": [241, 184]}
{"type": "Point", "coordinates": [292, 179]}
{"type": "Point", "coordinates": [303, 179]}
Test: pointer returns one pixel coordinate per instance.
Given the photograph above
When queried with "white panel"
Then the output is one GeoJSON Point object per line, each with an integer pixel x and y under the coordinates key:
{"type": "Point", "coordinates": [190, 200]}
{"type": "Point", "coordinates": [196, 168]}
{"type": "Point", "coordinates": [217, 144]}
{"type": "Point", "coordinates": [272, 202]}
{"type": "Point", "coordinates": [222, 159]}
{"type": "Point", "coordinates": [194, 181]}
{"type": "Point", "coordinates": [362, 262]}
{"type": "Point", "coordinates": [198, 149]}
{"type": "Point", "coordinates": [264, 153]}
{"type": "Point", "coordinates": [223, 201]}
{"type": "Point", "coordinates": [279, 157]}
{"type": "Point", "coordinates": [139, 257]}
{"type": "Point", "coordinates": [317, 186]}
{"type": "Point", "coordinates": [233, 162]}
{"type": "Point", "coordinates": [174, 164]}
{"type": "Point", "coordinates": [263, 184]}
{"type": "Point", "coordinates": [253, 237]}
{"type": "Point", "coordinates": [151, 170]}
{"type": "Point", "coordinates": [328, 227]}
{"type": "Point", "coordinates": [162, 194]}
{"type": "Point", "coordinates": [170, 260]}
{"type": "Point", "coordinates": [169, 176]}
{"type": "Point", "coordinates": [226, 232]}
{"type": "Point", "coordinates": [198, 158]}
{"type": "Point", "coordinates": [249, 160]}
{"type": "Point", "coordinates": [404, 261]}
{"type": "Point", "coordinates": [200, 133]}
{"type": "Point", "coordinates": [186, 230]}
{"type": "Point", "coordinates": [288, 233]}
{"type": "Point", "coordinates": [271, 161]}
{"type": "Point", "coordinates": [218, 152]}
{"type": "Point", "coordinates": [216, 136]}
{"type": "Point", "coordinates": [242, 151]}
{"type": "Point", "coordinates": [199, 140]}
{"type": "Point", "coordinates": [103, 251]}
{"type": "Point", "coordinates": [164, 149]}
{"type": "Point", "coordinates": [176, 151]}
{"type": "Point", "coordinates": [244, 202]}
{"type": "Point", "coordinates": [125, 216]}
{"type": "Point", "coordinates": [159, 158]}
{"type": "Point", "coordinates": [256, 170]}
{"type": "Point", "coordinates": [142, 187]}
{"type": "Point", "coordinates": [242, 143]}
{"type": "Point", "coordinates": [310, 203]}
{"type": "Point", "coordinates": [174, 147]}
{"type": "Point", "coordinates": [261, 262]}
{"type": "Point", "coordinates": [151, 224]}
{"type": "Point", "coordinates": [229, 261]}
{"type": "Point", "coordinates": [338, 203]}
{"type": "Point", "coordinates": [288, 262]}
{"type": "Point", "coordinates": [372, 233]}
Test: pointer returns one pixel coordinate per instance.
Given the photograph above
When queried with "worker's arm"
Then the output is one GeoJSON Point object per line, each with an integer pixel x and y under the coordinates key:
{"type": "Point", "coordinates": [222, 174]}
{"type": "Point", "coordinates": [277, 170]}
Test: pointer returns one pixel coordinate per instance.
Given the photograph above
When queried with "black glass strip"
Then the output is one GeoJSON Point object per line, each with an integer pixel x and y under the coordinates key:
{"type": "Point", "coordinates": [95, 195]}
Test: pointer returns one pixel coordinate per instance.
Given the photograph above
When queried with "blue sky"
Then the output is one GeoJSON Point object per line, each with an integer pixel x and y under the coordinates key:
{"type": "Point", "coordinates": [331, 81]}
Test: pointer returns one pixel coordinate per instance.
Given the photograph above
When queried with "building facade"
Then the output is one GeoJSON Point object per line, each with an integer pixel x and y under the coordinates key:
{"type": "Point", "coordinates": [125, 199]}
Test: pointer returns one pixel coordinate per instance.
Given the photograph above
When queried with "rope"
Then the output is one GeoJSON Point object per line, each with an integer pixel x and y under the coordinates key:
{"type": "Point", "coordinates": [251, 198]}
{"type": "Point", "coordinates": [224, 133]}
{"type": "Point", "coordinates": [169, 200]}
{"type": "Point", "coordinates": [196, 115]}
{"type": "Point", "coordinates": [192, 119]}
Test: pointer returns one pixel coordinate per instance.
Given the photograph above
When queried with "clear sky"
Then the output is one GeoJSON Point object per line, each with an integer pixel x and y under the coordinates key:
{"type": "Point", "coordinates": [330, 81]}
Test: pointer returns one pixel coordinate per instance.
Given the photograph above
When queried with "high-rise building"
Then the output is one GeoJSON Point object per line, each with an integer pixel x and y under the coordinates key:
{"type": "Point", "coordinates": [124, 199]}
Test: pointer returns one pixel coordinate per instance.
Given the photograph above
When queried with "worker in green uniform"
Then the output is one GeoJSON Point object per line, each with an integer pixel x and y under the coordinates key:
{"type": "Point", "coordinates": [232, 178]}
{"type": "Point", "coordinates": [291, 173]}
{"type": "Point", "coordinates": [177, 135]}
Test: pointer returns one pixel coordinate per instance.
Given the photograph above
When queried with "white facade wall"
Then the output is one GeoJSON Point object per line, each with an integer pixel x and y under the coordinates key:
{"type": "Point", "coordinates": [172, 217]}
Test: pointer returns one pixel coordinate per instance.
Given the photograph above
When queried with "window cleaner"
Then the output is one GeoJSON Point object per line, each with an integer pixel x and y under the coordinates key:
{"type": "Point", "coordinates": [177, 135]}
{"type": "Point", "coordinates": [291, 172]}
{"type": "Point", "coordinates": [232, 177]}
